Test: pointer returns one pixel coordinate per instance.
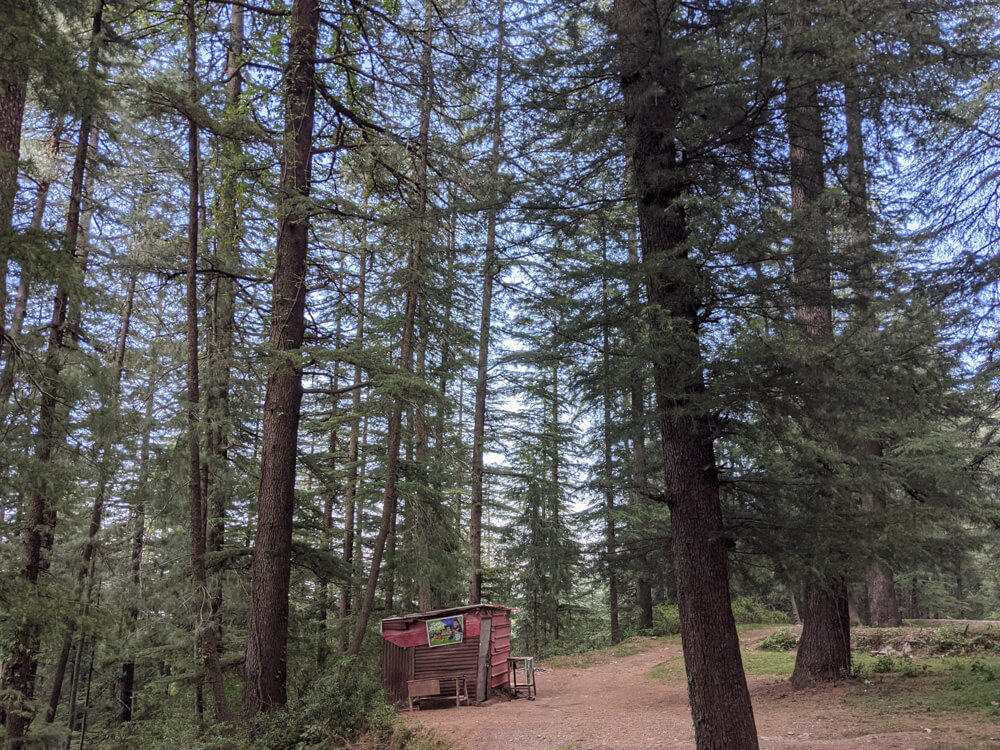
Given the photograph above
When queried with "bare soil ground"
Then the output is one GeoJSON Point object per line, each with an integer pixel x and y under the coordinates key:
{"type": "Point", "coordinates": [616, 704]}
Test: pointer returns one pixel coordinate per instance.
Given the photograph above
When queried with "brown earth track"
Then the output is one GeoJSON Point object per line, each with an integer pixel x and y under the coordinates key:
{"type": "Point", "coordinates": [617, 706]}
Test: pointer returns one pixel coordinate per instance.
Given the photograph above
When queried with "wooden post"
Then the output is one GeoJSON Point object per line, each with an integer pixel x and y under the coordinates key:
{"type": "Point", "coordinates": [483, 673]}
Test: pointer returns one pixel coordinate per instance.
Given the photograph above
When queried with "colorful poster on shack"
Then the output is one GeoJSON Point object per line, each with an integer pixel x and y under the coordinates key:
{"type": "Point", "coordinates": [445, 631]}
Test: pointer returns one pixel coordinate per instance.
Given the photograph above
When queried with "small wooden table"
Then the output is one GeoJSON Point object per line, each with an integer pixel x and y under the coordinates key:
{"type": "Point", "coordinates": [417, 689]}
{"type": "Point", "coordinates": [526, 664]}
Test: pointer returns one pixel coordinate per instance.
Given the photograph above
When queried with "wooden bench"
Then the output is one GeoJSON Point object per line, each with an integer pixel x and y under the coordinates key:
{"type": "Point", "coordinates": [417, 689]}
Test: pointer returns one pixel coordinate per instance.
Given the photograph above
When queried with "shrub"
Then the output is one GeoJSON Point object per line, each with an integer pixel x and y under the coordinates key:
{"type": "Point", "coordinates": [344, 704]}
{"type": "Point", "coordinates": [666, 619]}
{"type": "Point", "coordinates": [779, 640]}
{"type": "Point", "coordinates": [884, 664]}
{"type": "Point", "coordinates": [984, 670]}
{"type": "Point", "coordinates": [750, 611]}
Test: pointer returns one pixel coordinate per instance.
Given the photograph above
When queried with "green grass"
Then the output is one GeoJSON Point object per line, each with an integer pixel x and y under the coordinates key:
{"type": "Point", "coordinates": [760, 663]}
{"type": "Point", "coordinates": [968, 685]}
{"type": "Point", "coordinates": [768, 662]}
{"type": "Point", "coordinates": [630, 647]}
{"type": "Point", "coordinates": [669, 669]}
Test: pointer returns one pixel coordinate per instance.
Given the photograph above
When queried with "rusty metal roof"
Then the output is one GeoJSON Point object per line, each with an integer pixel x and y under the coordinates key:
{"type": "Point", "coordinates": [443, 612]}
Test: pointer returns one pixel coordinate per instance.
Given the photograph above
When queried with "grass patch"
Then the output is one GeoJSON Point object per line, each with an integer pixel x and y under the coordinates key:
{"type": "Point", "coordinates": [630, 647]}
{"type": "Point", "coordinates": [761, 663]}
{"type": "Point", "coordinates": [747, 627]}
{"type": "Point", "coordinates": [669, 669]}
{"type": "Point", "coordinates": [768, 662]}
{"type": "Point", "coordinates": [968, 685]}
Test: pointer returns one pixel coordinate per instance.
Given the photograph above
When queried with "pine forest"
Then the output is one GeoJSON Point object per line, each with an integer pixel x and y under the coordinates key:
{"type": "Point", "coordinates": [639, 317]}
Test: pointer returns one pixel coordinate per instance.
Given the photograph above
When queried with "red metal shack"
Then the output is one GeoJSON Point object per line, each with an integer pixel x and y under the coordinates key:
{"type": "Point", "coordinates": [479, 653]}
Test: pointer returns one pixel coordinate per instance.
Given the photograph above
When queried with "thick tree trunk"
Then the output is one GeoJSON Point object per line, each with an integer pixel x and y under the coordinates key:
{"type": "Point", "coordinates": [21, 298]}
{"type": "Point", "coordinates": [267, 641]}
{"type": "Point", "coordinates": [41, 515]}
{"type": "Point", "coordinates": [883, 605]}
{"type": "Point", "coordinates": [652, 80]}
{"type": "Point", "coordinates": [825, 648]}
{"type": "Point", "coordinates": [825, 654]}
{"type": "Point", "coordinates": [485, 325]}
{"type": "Point", "coordinates": [13, 89]}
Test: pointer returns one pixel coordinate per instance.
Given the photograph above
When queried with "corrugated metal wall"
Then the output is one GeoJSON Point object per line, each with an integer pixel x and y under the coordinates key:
{"type": "Point", "coordinates": [397, 668]}
{"type": "Point", "coordinates": [499, 649]}
{"type": "Point", "coordinates": [459, 659]}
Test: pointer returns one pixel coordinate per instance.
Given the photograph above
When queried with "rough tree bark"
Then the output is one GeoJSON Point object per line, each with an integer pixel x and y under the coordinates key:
{"type": "Point", "coordinates": [610, 528]}
{"type": "Point", "coordinates": [425, 595]}
{"type": "Point", "coordinates": [13, 89]}
{"type": "Point", "coordinates": [824, 652]}
{"type": "Point", "coordinates": [637, 410]}
{"type": "Point", "coordinates": [652, 82]}
{"type": "Point", "coordinates": [354, 442]}
{"type": "Point", "coordinates": [485, 318]}
{"type": "Point", "coordinates": [414, 290]}
{"type": "Point", "coordinates": [138, 541]}
{"type": "Point", "coordinates": [206, 636]}
{"type": "Point", "coordinates": [42, 515]}
{"type": "Point", "coordinates": [226, 261]}
{"type": "Point", "coordinates": [107, 466]}
{"type": "Point", "coordinates": [883, 604]}
{"type": "Point", "coordinates": [267, 640]}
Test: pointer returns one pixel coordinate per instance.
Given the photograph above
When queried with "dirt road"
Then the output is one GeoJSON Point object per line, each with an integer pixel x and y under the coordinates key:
{"type": "Point", "coordinates": [617, 705]}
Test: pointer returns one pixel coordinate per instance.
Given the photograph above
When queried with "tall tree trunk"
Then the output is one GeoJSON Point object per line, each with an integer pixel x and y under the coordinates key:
{"type": "Point", "coordinates": [21, 298]}
{"type": "Point", "coordinates": [824, 652]}
{"type": "Point", "coordinates": [13, 89]}
{"type": "Point", "coordinates": [637, 409]}
{"type": "Point", "coordinates": [610, 530]}
{"type": "Point", "coordinates": [883, 605]}
{"type": "Point", "coordinates": [206, 636]}
{"type": "Point", "coordinates": [485, 323]}
{"type": "Point", "coordinates": [394, 441]}
{"type": "Point", "coordinates": [41, 515]}
{"type": "Point", "coordinates": [218, 422]}
{"type": "Point", "coordinates": [107, 465]}
{"type": "Point", "coordinates": [353, 448]}
{"type": "Point", "coordinates": [825, 648]}
{"type": "Point", "coordinates": [414, 291]}
{"type": "Point", "coordinates": [421, 455]}
{"type": "Point", "coordinates": [652, 85]}
{"type": "Point", "coordinates": [138, 541]}
{"type": "Point", "coordinates": [330, 493]}
{"type": "Point", "coordinates": [267, 641]}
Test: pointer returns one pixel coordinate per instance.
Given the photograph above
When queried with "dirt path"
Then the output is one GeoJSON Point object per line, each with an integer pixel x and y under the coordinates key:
{"type": "Point", "coordinates": [617, 705]}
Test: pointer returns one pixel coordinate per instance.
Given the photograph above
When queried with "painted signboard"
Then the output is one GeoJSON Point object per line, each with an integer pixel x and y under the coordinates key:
{"type": "Point", "coordinates": [445, 631]}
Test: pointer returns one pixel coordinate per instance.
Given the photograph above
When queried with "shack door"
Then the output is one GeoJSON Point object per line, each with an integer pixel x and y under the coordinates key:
{"type": "Point", "coordinates": [483, 675]}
